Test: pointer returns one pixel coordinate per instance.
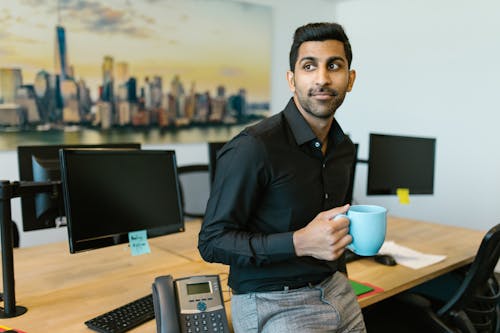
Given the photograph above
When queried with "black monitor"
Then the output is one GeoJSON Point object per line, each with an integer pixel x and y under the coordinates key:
{"type": "Point", "coordinates": [110, 193]}
{"type": "Point", "coordinates": [400, 162]}
{"type": "Point", "coordinates": [213, 148]}
{"type": "Point", "coordinates": [41, 164]}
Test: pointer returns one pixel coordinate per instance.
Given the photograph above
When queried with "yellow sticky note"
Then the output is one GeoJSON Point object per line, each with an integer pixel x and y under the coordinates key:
{"type": "Point", "coordinates": [403, 195]}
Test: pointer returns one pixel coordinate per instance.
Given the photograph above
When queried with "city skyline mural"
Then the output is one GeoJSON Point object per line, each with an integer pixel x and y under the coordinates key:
{"type": "Point", "coordinates": [81, 71]}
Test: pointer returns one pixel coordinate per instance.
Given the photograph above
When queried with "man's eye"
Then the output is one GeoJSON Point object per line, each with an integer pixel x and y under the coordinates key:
{"type": "Point", "coordinates": [333, 66]}
{"type": "Point", "coordinates": [308, 67]}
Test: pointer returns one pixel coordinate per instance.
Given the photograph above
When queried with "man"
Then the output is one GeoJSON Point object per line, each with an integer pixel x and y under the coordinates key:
{"type": "Point", "coordinates": [278, 186]}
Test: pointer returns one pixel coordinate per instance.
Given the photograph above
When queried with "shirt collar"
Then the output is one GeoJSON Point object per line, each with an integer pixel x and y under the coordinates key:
{"type": "Point", "coordinates": [303, 132]}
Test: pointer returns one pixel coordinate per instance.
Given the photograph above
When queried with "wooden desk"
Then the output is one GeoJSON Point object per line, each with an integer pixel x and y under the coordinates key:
{"type": "Point", "coordinates": [458, 244]}
{"type": "Point", "coordinates": [63, 290]}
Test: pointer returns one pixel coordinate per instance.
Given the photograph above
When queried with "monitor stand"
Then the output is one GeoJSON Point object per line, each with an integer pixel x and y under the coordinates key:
{"type": "Point", "coordinates": [8, 191]}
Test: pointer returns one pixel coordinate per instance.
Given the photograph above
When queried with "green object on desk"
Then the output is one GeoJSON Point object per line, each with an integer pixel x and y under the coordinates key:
{"type": "Point", "coordinates": [360, 288]}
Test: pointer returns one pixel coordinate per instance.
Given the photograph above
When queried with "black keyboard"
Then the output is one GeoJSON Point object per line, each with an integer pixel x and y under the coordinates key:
{"type": "Point", "coordinates": [125, 317]}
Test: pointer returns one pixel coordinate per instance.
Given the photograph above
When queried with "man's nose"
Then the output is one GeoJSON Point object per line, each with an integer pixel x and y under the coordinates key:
{"type": "Point", "coordinates": [323, 77]}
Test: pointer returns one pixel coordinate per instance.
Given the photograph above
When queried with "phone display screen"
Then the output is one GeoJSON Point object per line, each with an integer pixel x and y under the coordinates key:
{"type": "Point", "coordinates": [198, 288]}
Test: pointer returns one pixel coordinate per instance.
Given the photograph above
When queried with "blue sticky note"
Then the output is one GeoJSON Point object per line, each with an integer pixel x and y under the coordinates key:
{"type": "Point", "coordinates": [138, 241]}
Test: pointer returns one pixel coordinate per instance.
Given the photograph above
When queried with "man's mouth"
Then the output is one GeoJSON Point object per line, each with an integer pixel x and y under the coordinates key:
{"type": "Point", "coordinates": [323, 93]}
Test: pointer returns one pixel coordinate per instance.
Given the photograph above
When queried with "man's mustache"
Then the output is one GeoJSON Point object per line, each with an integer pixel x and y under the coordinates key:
{"type": "Point", "coordinates": [322, 91]}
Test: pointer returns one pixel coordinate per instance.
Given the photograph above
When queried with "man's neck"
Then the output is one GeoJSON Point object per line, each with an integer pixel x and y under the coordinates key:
{"type": "Point", "coordinates": [319, 126]}
{"type": "Point", "coordinates": [322, 132]}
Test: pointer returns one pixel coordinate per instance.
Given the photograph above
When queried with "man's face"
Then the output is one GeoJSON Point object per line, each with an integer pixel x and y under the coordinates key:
{"type": "Point", "coordinates": [321, 78]}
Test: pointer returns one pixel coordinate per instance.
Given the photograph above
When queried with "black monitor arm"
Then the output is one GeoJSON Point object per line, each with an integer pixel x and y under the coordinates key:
{"type": "Point", "coordinates": [9, 190]}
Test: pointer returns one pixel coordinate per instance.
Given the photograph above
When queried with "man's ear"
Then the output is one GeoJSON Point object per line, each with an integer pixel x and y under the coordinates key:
{"type": "Point", "coordinates": [352, 78]}
{"type": "Point", "coordinates": [291, 81]}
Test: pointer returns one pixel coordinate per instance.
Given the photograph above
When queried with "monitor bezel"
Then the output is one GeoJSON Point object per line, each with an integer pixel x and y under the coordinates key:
{"type": "Point", "coordinates": [392, 189]}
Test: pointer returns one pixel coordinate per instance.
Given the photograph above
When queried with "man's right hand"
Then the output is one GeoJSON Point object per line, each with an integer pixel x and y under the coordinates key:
{"type": "Point", "coordinates": [324, 237]}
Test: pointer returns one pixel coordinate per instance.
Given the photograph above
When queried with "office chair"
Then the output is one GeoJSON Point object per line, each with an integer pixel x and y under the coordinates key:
{"type": "Point", "coordinates": [213, 148]}
{"type": "Point", "coordinates": [350, 190]}
{"type": "Point", "coordinates": [195, 189]}
{"type": "Point", "coordinates": [15, 235]}
{"type": "Point", "coordinates": [475, 305]}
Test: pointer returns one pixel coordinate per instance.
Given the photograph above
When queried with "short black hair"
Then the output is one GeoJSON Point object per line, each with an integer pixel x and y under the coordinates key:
{"type": "Point", "coordinates": [319, 32]}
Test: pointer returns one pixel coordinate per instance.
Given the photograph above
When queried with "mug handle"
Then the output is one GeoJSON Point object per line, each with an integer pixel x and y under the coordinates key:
{"type": "Point", "coordinates": [349, 247]}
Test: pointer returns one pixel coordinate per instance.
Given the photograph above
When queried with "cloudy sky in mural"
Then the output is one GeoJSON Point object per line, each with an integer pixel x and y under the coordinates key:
{"type": "Point", "coordinates": [209, 42]}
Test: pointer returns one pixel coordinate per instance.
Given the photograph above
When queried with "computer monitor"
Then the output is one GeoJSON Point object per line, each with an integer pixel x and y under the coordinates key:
{"type": "Point", "coordinates": [400, 162]}
{"type": "Point", "coordinates": [41, 164]}
{"type": "Point", "coordinates": [110, 193]}
{"type": "Point", "coordinates": [213, 148]}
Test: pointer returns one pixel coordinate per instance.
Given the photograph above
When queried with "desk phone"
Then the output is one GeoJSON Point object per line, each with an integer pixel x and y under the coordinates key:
{"type": "Point", "coordinates": [190, 304]}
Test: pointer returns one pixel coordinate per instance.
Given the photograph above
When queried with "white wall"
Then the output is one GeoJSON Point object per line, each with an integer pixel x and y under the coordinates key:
{"type": "Point", "coordinates": [430, 68]}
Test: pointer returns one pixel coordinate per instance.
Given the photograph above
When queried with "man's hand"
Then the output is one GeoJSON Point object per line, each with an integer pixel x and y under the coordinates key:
{"type": "Point", "coordinates": [324, 237]}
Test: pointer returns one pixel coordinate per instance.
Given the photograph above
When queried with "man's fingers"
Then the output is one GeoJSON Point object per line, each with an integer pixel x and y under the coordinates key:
{"type": "Point", "coordinates": [337, 210]}
{"type": "Point", "coordinates": [340, 223]}
{"type": "Point", "coordinates": [340, 245]}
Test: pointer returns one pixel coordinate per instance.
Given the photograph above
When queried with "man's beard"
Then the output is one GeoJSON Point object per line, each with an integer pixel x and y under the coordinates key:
{"type": "Point", "coordinates": [310, 105]}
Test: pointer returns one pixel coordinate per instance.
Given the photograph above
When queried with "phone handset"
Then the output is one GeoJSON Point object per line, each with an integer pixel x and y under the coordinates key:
{"type": "Point", "coordinates": [189, 304]}
{"type": "Point", "coordinates": [165, 305]}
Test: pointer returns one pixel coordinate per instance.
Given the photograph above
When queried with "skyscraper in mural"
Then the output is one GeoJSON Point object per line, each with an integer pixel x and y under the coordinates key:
{"type": "Point", "coordinates": [107, 79]}
{"type": "Point", "coordinates": [10, 80]}
{"type": "Point", "coordinates": [61, 55]}
{"type": "Point", "coordinates": [45, 95]}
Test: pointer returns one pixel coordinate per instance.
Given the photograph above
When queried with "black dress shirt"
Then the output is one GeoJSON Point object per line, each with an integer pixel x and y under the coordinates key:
{"type": "Point", "coordinates": [271, 180]}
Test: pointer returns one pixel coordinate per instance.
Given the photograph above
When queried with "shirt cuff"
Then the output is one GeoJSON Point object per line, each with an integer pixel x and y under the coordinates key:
{"type": "Point", "coordinates": [281, 246]}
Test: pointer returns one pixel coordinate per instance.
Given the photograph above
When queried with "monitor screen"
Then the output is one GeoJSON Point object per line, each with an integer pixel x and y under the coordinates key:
{"type": "Point", "coordinates": [41, 164]}
{"type": "Point", "coordinates": [109, 193]}
{"type": "Point", "coordinates": [400, 162]}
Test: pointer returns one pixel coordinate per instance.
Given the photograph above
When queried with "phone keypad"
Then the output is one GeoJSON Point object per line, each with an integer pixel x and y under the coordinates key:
{"type": "Point", "coordinates": [213, 321]}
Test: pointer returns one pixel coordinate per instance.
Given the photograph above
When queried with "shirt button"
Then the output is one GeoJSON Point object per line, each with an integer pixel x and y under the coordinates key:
{"type": "Point", "coordinates": [317, 144]}
{"type": "Point", "coordinates": [324, 165]}
{"type": "Point", "coordinates": [326, 195]}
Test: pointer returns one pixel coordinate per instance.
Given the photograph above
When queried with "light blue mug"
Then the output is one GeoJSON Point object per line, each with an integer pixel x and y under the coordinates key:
{"type": "Point", "coordinates": [368, 224]}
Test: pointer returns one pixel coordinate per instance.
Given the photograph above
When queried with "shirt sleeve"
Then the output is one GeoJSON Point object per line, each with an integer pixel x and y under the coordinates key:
{"type": "Point", "coordinates": [230, 233]}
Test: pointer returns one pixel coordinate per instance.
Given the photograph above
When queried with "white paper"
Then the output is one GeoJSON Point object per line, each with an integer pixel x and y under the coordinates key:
{"type": "Point", "coordinates": [408, 257]}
